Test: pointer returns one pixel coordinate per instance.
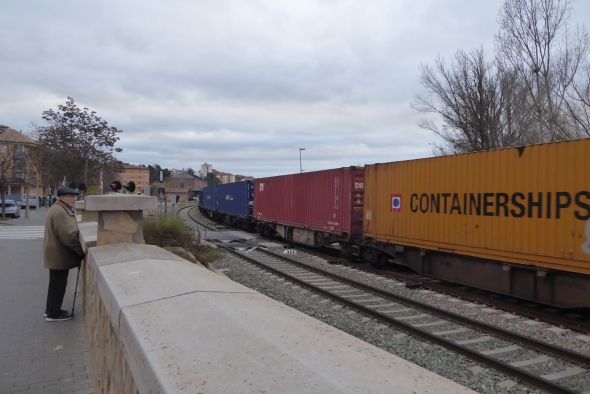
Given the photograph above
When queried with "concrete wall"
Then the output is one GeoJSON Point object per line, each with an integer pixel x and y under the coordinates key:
{"type": "Point", "coordinates": [108, 360]}
{"type": "Point", "coordinates": [159, 324]}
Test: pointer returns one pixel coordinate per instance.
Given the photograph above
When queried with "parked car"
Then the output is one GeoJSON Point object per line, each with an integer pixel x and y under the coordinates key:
{"type": "Point", "coordinates": [32, 199]}
{"type": "Point", "coordinates": [15, 197]}
{"type": "Point", "coordinates": [11, 208]}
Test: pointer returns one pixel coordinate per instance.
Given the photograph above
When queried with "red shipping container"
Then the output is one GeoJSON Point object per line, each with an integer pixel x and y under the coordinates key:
{"type": "Point", "coordinates": [328, 203]}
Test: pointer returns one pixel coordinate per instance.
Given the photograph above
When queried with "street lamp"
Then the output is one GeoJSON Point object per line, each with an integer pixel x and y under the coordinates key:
{"type": "Point", "coordinates": [300, 167]}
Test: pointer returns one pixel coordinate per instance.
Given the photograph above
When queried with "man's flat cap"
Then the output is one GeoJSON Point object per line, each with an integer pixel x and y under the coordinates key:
{"type": "Point", "coordinates": [64, 191]}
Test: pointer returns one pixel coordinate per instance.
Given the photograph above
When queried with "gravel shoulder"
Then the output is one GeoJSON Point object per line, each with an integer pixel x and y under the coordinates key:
{"type": "Point", "coordinates": [431, 357]}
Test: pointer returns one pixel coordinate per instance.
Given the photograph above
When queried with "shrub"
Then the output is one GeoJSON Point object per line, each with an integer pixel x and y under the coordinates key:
{"type": "Point", "coordinates": [170, 232]}
{"type": "Point", "coordinates": [92, 190]}
{"type": "Point", "coordinates": [205, 254]}
{"type": "Point", "coordinates": [167, 231]}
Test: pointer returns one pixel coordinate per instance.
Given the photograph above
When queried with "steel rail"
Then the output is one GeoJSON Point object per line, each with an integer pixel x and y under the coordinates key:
{"type": "Point", "coordinates": [554, 350]}
{"type": "Point", "coordinates": [505, 368]}
{"type": "Point", "coordinates": [557, 351]}
{"type": "Point", "coordinates": [520, 308]}
{"type": "Point", "coordinates": [573, 323]}
{"type": "Point", "coordinates": [205, 225]}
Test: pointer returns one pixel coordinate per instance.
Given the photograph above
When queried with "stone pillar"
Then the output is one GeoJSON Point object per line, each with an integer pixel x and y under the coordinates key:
{"type": "Point", "coordinates": [79, 210]}
{"type": "Point", "coordinates": [120, 217]}
{"type": "Point", "coordinates": [85, 216]}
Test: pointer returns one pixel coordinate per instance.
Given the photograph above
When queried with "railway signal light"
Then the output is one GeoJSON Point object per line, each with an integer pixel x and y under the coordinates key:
{"type": "Point", "coordinates": [116, 186]}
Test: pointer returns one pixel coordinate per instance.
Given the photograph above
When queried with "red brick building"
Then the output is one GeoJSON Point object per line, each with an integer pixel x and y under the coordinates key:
{"type": "Point", "coordinates": [140, 175]}
{"type": "Point", "coordinates": [21, 164]}
{"type": "Point", "coordinates": [183, 186]}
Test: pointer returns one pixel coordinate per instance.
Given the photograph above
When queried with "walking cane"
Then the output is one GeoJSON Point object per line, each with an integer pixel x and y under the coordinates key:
{"type": "Point", "coordinates": [76, 289]}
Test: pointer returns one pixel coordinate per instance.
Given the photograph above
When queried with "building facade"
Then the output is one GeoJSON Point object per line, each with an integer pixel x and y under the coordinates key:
{"type": "Point", "coordinates": [224, 177]}
{"type": "Point", "coordinates": [206, 168]}
{"type": "Point", "coordinates": [183, 186]}
{"type": "Point", "coordinates": [21, 169]}
{"type": "Point", "coordinates": [140, 175]}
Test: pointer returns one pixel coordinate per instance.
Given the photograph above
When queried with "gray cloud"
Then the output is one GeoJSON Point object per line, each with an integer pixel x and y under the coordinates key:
{"type": "Point", "coordinates": [239, 84]}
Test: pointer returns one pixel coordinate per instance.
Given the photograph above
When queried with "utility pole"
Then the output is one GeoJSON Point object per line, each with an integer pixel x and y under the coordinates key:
{"type": "Point", "coordinates": [28, 176]}
{"type": "Point", "coordinates": [28, 191]}
{"type": "Point", "coordinates": [300, 167]}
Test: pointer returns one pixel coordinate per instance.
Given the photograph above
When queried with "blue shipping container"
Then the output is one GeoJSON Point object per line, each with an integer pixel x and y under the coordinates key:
{"type": "Point", "coordinates": [236, 199]}
{"type": "Point", "coordinates": [208, 198]}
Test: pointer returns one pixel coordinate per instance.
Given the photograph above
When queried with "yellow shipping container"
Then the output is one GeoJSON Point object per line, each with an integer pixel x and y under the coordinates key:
{"type": "Point", "coordinates": [527, 205]}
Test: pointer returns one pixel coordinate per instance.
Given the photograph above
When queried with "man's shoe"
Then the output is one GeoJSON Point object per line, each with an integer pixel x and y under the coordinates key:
{"type": "Point", "coordinates": [60, 312]}
{"type": "Point", "coordinates": [60, 317]}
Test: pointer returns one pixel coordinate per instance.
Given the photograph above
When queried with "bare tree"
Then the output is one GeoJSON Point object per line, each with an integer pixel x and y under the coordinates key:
{"type": "Point", "coordinates": [577, 96]}
{"type": "Point", "coordinates": [534, 43]}
{"type": "Point", "coordinates": [536, 90]}
{"type": "Point", "coordinates": [474, 99]}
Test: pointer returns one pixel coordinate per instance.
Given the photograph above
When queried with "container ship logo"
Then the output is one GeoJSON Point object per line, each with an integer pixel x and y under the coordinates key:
{"type": "Point", "coordinates": [396, 202]}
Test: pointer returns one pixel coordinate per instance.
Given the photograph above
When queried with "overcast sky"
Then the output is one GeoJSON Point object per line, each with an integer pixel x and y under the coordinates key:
{"type": "Point", "coordinates": [240, 84]}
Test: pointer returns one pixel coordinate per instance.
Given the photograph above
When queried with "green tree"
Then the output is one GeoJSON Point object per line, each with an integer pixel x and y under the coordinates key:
{"type": "Point", "coordinates": [154, 173]}
{"type": "Point", "coordinates": [76, 144]}
{"type": "Point", "coordinates": [212, 180]}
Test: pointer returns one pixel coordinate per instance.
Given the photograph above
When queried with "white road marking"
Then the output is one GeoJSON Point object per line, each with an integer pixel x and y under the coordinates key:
{"type": "Point", "coordinates": [22, 232]}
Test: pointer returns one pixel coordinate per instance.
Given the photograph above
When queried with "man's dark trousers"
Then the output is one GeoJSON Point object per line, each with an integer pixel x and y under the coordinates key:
{"type": "Point", "coordinates": [58, 280]}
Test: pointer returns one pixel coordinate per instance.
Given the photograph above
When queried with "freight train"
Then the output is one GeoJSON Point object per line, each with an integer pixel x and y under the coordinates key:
{"type": "Point", "coordinates": [515, 221]}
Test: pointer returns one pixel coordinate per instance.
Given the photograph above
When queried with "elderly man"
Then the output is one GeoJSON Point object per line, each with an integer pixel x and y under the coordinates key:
{"type": "Point", "coordinates": [62, 251]}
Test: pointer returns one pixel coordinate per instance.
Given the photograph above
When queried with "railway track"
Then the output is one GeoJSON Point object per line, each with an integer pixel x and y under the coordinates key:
{"type": "Point", "coordinates": [532, 362]}
{"type": "Point", "coordinates": [569, 319]}
{"type": "Point", "coordinates": [201, 221]}
{"type": "Point", "coordinates": [577, 320]}
{"type": "Point", "coordinates": [514, 355]}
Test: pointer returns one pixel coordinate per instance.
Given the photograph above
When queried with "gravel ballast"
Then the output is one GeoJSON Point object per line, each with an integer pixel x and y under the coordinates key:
{"type": "Point", "coordinates": [432, 357]}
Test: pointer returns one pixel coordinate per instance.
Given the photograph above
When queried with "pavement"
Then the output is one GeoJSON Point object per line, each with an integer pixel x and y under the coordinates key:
{"type": "Point", "coordinates": [36, 356]}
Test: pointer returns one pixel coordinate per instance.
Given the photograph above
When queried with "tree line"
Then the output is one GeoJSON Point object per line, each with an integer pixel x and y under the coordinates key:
{"type": "Point", "coordinates": [77, 144]}
{"type": "Point", "coordinates": [535, 88]}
